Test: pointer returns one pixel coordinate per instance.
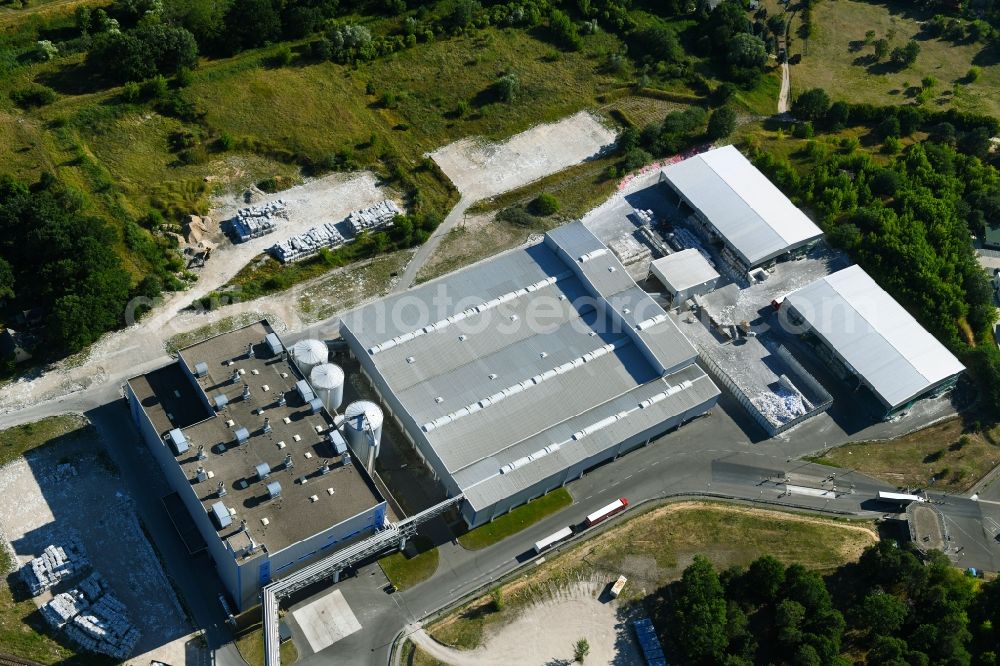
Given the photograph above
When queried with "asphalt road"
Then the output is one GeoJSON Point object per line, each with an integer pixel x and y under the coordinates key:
{"type": "Point", "coordinates": [711, 456]}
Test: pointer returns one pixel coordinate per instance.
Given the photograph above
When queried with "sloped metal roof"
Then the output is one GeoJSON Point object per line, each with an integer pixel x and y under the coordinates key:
{"type": "Point", "coordinates": [874, 335]}
{"type": "Point", "coordinates": [520, 351]}
{"type": "Point", "coordinates": [756, 219]}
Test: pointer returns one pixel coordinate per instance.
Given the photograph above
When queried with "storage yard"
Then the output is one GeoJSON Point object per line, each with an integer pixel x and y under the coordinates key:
{"type": "Point", "coordinates": [333, 235]}
{"type": "Point", "coordinates": [83, 555]}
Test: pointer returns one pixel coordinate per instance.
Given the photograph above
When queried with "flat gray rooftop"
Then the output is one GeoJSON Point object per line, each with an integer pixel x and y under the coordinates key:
{"type": "Point", "coordinates": [500, 360]}
{"type": "Point", "coordinates": [292, 516]}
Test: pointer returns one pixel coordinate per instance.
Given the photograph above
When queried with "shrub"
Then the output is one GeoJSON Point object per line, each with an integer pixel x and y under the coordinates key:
{"type": "Point", "coordinates": [803, 130]}
{"type": "Point", "coordinates": [508, 87]}
{"type": "Point", "coordinates": [33, 96]}
{"type": "Point", "coordinates": [154, 88]}
{"type": "Point", "coordinates": [517, 215]}
{"type": "Point", "coordinates": [545, 204]}
{"type": "Point", "coordinates": [580, 650]}
{"type": "Point", "coordinates": [973, 74]}
{"type": "Point", "coordinates": [183, 78]}
{"type": "Point", "coordinates": [282, 57]}
{"type": "Point", "coordinates": [131, 92]}
{"type": "Point", "coordinates": [496, 597]}
{"type": "Point", "coordinates": [721, 123]}
{"type": "Point", "coordinates": [226, 141]}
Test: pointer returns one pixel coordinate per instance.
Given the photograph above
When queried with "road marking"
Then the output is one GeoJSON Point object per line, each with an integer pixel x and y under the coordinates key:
{"type": "Point", "coordinates": [628, 477]}
{"type": "Point", "coordinates": [655, 463]}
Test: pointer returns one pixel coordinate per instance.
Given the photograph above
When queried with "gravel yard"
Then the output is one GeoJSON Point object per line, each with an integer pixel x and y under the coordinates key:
{"type": "Point", "coordinates": [545, 633]}
{"type": "Point", "coordinates": [482, 169]}
{"type": "Point", "coordinates": [70, 488]}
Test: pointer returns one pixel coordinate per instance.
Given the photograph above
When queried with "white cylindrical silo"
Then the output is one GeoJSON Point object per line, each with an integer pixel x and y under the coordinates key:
{"type": "Point", "coordinates": [327, 380]}
{"type": "Point", "coordinates": [308, 354]}
{"type": "Point", "coordinates": [363, 427]}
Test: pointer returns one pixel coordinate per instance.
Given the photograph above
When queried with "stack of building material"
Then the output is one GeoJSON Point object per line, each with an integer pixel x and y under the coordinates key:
{"type": "Point", "coordinates": [257, 221]}
{"type": "Point", "coordinates": [307, 244]}
{"type": "Point", "coordinates": [375, 217]}
{"type": "Point", "coordinates": [93, 587]}
{"type": "Point", "coordinates": [106, 628]}
{"type": "Point", "coordinates": [63, 607]}
{"type": "Point", "coordinates": [93, 618]}
{"type": "Point", "coordinates": [53, 565]}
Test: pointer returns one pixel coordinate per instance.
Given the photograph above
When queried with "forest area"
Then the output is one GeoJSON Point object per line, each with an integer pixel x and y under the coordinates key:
{"type": "Point", "coordinates": [893, 607]}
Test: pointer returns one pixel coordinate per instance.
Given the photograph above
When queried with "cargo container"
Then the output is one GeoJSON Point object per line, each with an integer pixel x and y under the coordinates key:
{"type": "Point", "coordinates": [553, 539]}
{"type": "Point", "coordinates": [606, 512]}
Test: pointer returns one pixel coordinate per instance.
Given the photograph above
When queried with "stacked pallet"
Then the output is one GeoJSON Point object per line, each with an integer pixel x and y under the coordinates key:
{"type": "Point", "coordinates": [93, 618]}
{"type": "Point", "coordinates": [53, 565]}
{"type": "Point", "coordinates": [373, 217]}
{"type": "Point", "coordinates": [257, 221]}
{"type": "Point", "coordinates": [63, 607]}
{"type": "Point", "coordinates": [307, 244]}
{"type": "Point", "coordinates": [105, 628]}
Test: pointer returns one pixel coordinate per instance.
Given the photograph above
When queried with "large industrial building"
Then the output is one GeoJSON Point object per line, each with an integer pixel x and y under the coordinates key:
{"type": "Point", "coordinates": [735, 203]}
{"type": "Point", "coordinates": [873, 338]}
{"type": "Point", "coordinates": [261, 478]}
{"type": "Point", "coordinates": [516, 375]}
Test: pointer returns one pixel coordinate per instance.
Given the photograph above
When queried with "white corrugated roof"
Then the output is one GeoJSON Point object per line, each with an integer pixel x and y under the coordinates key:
{"type": "Point", "coordinates": [683, 270]}
{"type": "Point", "coordinates": [742, 204]}
{"type": "Point", "coordinates": [886, 346]}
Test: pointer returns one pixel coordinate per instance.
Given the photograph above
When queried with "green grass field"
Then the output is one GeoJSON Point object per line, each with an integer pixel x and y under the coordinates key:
{"type": "Point", "coordinates": [654, 547]}
{"type": "Point", "coordinates": [251, 647]}
{"type": "Point", "coordinates": [828, 61]}
{"type": "Point", "coordinates": [405, 572]}
{"type": "Point", "coordinates": [22, 631]}
{"type": "Point", "coordinates": [516, 520]}
{"type": "Point", "coordinates": [957, 457]}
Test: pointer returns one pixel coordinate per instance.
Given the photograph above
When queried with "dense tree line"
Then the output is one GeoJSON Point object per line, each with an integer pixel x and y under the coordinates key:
{"type": "Point", "coordinates": [908, 221]}
{"type": "Point", "coordinates": [137, 39]}
{"type": "Point", "coordinates": [894, 607]}
{"type": "Point", "coordinates": [55, 257]}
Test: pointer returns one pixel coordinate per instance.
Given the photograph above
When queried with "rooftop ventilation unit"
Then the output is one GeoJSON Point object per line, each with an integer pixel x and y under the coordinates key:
{"type": "Point", "coordinates": [221, 490]}
{"type": "Point", "coordinates": [263, 471]}
{"type": "Point", "coordinates": [178, 442]}
{"type": "Point", "coordinates": [305, 391]}
{"type": "Point", "coordinates": [201, 452]}
{"type": "Point", "coordinates": [267, 424]}
{"type": "Point", "coordinates": [250, 352]}
{"type": "Point", "coordinates": [315, 406]}
{"type": "Point", "coordinates": [246, 392]}
{"type": "Point", "coordinates": [200, 474]}
{"type": "Point", "coordinates": [273, 344]}
{"type": "Point", "coordinates": [221, 401]}
{"type": "Point", "coordinates": [324, 469]}
{"type": "Point", "coordinates": [220, 515]}
{"type": "Point", "coordinates": [235, 377]}
{"type": "Point", "coordinates": [289, 463]}
{"type": "Point", "coordinates": [273, 490]}
{"type": "Point", "coordinates": [200, 369]}
{"type": "Point", "coordinates": [242, 436]}
{"type": "Point", "coordinates": [338, 442]}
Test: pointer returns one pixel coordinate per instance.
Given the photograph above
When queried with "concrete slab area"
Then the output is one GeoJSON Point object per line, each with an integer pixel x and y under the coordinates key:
{"type": "Point", "coordinates": [326, 620]}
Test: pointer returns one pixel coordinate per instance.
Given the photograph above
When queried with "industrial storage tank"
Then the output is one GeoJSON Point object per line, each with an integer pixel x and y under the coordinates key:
{"type": "Point", "coordinates": [363, 426]}
{"type": "Point", "coordinates": [309, 353]}
{"type": "Point", "coordinates": [327, 380]}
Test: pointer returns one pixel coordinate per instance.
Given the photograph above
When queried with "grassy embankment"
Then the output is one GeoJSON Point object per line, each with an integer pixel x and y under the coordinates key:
{"type": "Point", "coordinates": [405, 571]}
{"type": "Point", "coordinates": [957, 457]}
{"type": "Point", "coordinates": [835, 59]}
{"type": "Point", "coordinates": [22, 632]}
{"type": "Point", "coordinates": [251, 647]}
{"type": "Point", "coordinates": [516, 520]}
{"type": "Point", "coordinates": [653, 548]}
